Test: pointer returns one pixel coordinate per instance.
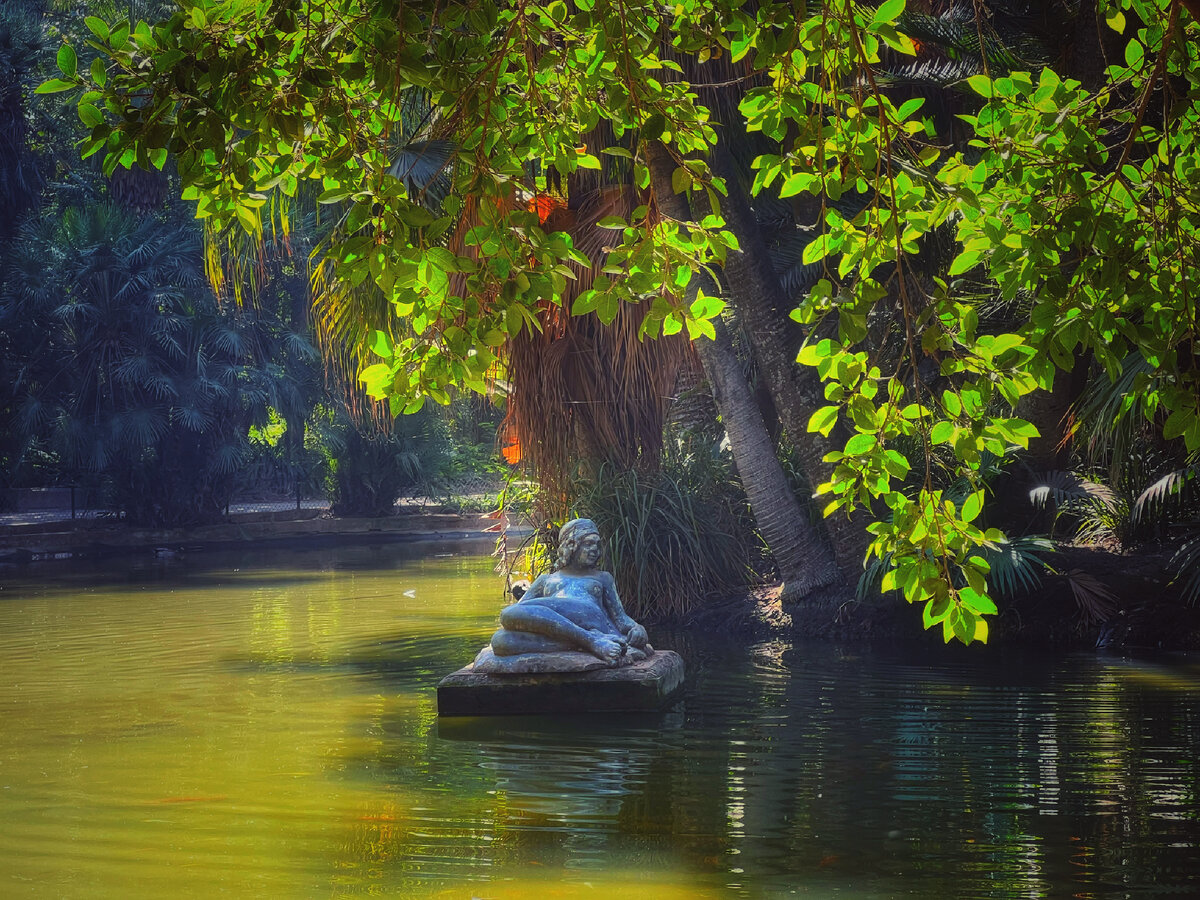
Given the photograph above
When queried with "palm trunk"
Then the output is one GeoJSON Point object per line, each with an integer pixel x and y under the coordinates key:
{"type": "Point", "coordinates": [753, 289]}
{"type": "Point", "coordinates": [803, 558]}
{"type": "Point", "coordinates": [804, 561]}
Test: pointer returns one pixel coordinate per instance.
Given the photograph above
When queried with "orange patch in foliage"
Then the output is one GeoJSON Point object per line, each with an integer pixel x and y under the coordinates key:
{"type": "Point", "coordinates": [511, 452]}
{"type": "Point", "coordinates": [544, 205]}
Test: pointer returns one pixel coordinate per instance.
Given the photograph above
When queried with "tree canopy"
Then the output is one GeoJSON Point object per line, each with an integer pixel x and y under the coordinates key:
{"type": "Point", "coordinates": [430, 133]}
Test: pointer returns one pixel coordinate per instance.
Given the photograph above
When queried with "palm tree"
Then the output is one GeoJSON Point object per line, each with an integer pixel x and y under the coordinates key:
{"type": "Point", "coordinates": [128, 367]}
{"type": "Point", "coordinates": [21, 47]}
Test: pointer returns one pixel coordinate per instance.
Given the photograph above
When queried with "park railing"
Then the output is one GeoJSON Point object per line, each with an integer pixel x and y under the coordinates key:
{"type": "Point", "coordinates": [55, 502]}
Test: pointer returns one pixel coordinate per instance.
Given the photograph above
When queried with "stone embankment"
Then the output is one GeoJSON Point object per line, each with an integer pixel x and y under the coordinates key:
{"type": "Point", "coordinates": [35, 542]}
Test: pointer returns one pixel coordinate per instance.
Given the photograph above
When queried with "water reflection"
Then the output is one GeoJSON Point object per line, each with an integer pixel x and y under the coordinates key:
{"type": "Point", "coordinates": [266, 726]}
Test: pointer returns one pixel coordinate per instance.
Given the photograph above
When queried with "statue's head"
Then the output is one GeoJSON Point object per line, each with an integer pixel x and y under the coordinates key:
{"type": "Point", "coordinates": [571, 536]}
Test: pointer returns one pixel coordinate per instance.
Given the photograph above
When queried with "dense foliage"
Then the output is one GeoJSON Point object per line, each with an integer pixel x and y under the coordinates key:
{"type": "Point", "coordinates": [1070, 206]}
{"type": "Point", "coordinates": [124, 374]}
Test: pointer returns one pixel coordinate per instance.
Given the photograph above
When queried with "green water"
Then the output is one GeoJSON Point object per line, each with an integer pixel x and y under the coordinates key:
{"type": "Point", "coordinates": [263, 725]}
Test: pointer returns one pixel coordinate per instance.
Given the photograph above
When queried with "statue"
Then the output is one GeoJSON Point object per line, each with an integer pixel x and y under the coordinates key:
{"type": "Point", "coordinates": [570, 620]}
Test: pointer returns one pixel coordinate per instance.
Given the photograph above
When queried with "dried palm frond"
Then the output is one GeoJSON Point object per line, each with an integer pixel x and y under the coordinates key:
{"type": "Point", "coordinates": [582, 391]}
{"type": "Point", "coordinates": [1097, 604]}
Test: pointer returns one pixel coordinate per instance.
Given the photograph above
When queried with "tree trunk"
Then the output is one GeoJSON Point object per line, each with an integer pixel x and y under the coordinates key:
{"type": "Point", "coordinates": [752, 287]}
{"type": "Point", "coordinates": [802, 557]}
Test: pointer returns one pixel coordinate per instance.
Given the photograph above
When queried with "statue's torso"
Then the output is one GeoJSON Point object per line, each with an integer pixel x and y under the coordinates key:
{"type": "Point", "coordinates": [579, 598]}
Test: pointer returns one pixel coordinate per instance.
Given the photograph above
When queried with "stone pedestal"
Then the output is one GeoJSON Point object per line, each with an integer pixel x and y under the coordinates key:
{"type": "Point", "coordinates": [647, 686]}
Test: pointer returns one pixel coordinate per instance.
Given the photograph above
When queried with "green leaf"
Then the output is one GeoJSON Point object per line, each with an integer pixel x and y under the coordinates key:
{"type": "Point", "coordinates": [334, 195]}
{"type": "Point", "coordinates": [90, 115]}
{"type": "Point", "coordinates": [794, 184]}
{"type": "Point", "coordinates": [68, 62]}
{"type": "Point", "coordinates": [701, 328]}
{"type": "Point", "coordinates": [585, 302]}
{"type": "Point", "coordinates": [977, 602]}
{"type": "Point", "coordinates": [98, 27]}
{"type": "Point", "coordinates": [972, 507]}
{"type": "Point", "coordinates": [982, 85]}
{"type": "Point", "coordinates": [896, 464]}
{"type": "Point", "coordinates": [653, 129]}
{"type": "Point", "coordinates": [381, 344]}
{"type": "Point", "coordinates": [1178, 423]}
{"type": "Point", "coordinates": [952, 404]}
{"type": "Point", "coordinates": [1135, 54]}
{"type": "Point", "coordinates": [823, 419]}
{"type": "Point", "coordinates": [965, 261]}
{"type": "Point", "coordinates": [888, 11]}
{"type": "Point", "coordinates": [909, 107]}
{"type": "Point", "coordinates": [375, 379]}
{"type": "Point", "coordinates": [860, 444]}
{"type": "Point", "coordinates": [54, 86]}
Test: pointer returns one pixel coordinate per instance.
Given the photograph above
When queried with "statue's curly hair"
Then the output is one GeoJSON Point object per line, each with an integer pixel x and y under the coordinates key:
{"type": "Point", "coordinates": [569, 537]}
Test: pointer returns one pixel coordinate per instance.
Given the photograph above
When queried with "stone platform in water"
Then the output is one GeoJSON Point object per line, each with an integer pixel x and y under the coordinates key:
{"type": "Point", "coordinates": [646, 686]}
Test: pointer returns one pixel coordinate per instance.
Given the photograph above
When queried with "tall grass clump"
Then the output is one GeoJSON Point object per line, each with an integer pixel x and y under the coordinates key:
{"type": "Point", "coordinates": [676, 538]}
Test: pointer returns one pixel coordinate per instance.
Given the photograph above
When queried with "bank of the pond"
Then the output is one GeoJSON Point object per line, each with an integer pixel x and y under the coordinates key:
{"type": "Point", "coordinates": [38, 543]}
{"type": "Point", "coordinates": [1093, 599]}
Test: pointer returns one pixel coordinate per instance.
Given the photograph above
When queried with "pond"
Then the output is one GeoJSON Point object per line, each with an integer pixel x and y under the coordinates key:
{"type": "Point", "coordinates": [264, 724]}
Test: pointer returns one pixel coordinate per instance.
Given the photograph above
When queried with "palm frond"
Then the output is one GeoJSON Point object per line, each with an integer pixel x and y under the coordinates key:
{"type": "Point", "coordinates": [140, 427]}
{"type": "Point", "coordinates": [1058, 488]}
{"type": "Point", "coordinates": [1015, 564]}
{"type": "Point", "coordinates": [424, 168]}
{"type": "Point", "coordinates": [1186, 565]}
{"type": "Point", "coordinates": [227, 458]}
{"type": "Point", "coordinates": [934, 72]}
{"type": "Point", "coordinates": [298, 345]}
{"type": "Point", "coordinates": [582, 391]}
{"type": "Point", "coordinates": [193, 418]}
{"type": "Point", "coordinates": [960, 33]}
{"type": "Point", "coordinates": [1111, 415]}
{"type": "Point", "coordinates": [229, 340]}
{"type": "Point", "coordinates": [1174, 489]}
{"type": "Point", "coordinates": [873, 571]}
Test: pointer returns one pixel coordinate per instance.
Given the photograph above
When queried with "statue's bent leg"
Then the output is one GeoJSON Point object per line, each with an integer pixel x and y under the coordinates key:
{"type": "Point", "coordinates": [514, 643]}
{"type": "Point", "coordinates": [542, 620]}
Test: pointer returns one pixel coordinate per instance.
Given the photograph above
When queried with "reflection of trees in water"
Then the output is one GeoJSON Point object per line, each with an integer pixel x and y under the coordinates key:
{"type": "Point", "coordinates": [976, 776]}
{"type": "Point", "coordinates": [503, 793]}
{"type": "Point", "coordinates": [817, 767]}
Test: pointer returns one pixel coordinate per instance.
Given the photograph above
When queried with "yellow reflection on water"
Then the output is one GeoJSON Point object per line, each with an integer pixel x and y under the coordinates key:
{"type": "Point", "coordinates": [218, 731]}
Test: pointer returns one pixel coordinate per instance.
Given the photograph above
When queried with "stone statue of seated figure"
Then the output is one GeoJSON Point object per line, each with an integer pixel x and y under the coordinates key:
{"type": "Point", "coordinates": [568, 620]}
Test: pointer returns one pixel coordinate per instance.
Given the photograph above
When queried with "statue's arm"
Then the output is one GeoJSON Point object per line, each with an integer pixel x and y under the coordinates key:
{"type": "Point", "coordinates": [616, 609]}
{"type": "Point", "coordinates": [537, 589]}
